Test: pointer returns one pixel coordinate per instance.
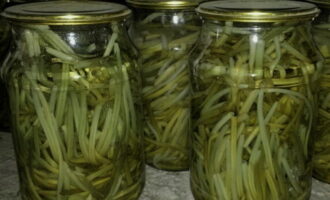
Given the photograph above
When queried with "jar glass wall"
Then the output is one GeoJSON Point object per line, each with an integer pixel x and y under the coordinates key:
{"type": "Point", "coordinates": [165, 36]}
{"type": "Point", "coordinates": [321, 159]}
{"type": "Point", "coordinates": [75, 100]}
{"type": "Point", "coordinates": [254, 88]}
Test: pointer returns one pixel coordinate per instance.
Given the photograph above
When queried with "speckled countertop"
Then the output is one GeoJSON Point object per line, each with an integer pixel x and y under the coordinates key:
{"type": "Point", "coordinates": [160, 185]}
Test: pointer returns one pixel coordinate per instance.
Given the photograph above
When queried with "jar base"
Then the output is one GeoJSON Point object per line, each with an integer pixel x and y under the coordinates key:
{"type": "Point", "coordinates": [319, 176]}
{"type": "Point", "coordinates": [200, 194]}
{"type": "Point", "coordinates": [168, 166]}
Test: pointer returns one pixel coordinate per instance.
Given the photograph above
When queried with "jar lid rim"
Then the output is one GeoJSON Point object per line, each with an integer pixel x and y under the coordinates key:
{"type": "Point", "coordinates": [66, 12]}
{"type": "Point", "coordinates": [258, 11]}
{"type": "Point", "coordinates": [163, 4]}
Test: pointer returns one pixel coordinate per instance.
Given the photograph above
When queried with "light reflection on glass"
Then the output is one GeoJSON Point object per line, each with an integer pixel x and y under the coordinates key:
{"type": "Point", "coordinates": [175, 19]}
{"type": "Point", "coordinates": [72, 39]}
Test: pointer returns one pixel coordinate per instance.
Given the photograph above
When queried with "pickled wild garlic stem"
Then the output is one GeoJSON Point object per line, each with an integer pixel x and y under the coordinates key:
{"type": "Point", "coordinates": [321, 159]}
{"type": "Point", "coordinates": [253, 115]}
{"type": "Point", "coordinates": [164, 51]}
{"type": "Point", "coordinates": [72, 121]}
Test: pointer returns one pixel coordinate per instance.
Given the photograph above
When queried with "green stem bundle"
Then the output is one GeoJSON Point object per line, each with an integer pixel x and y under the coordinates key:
{"type": "Point", "coordinates": [321, 160]}
{"type": "Point", "coordinates": [166, 86]}
{"type": "Point", "coordinates": [75, 119]}
{"type": "Point", "coordinates": [253, 112]}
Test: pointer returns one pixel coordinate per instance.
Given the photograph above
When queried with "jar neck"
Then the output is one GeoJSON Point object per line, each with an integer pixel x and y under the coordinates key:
{"type": "Point", "coordinates": [83, 41]}
{"type": "Point", "coordinates": [246, 28]}
{"type": "Point", "coordinates": [324, 17]}
{"type": "Point", "coordinates": [165, 17]}
{"type": "Point", "coordinates": [168, 11]}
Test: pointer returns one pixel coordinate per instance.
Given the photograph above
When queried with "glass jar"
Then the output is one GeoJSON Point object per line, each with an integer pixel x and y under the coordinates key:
{"type": "Point", "coordinates": [321, 158]}
{"type": "Point", "coordinates": [164, 32]}
{"type": "Point", "coordinates": [74, 88]}
{"type": "Point", "coordinates": [254, 72]}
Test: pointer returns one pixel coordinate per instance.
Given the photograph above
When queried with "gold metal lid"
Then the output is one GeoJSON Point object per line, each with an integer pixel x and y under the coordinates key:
{"type": "Point", "coordinates": [66, 12]}
{"type": "Point", "coordinates": [258, 11]}
{"type": "Point", "coordinates": [163, 4]}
